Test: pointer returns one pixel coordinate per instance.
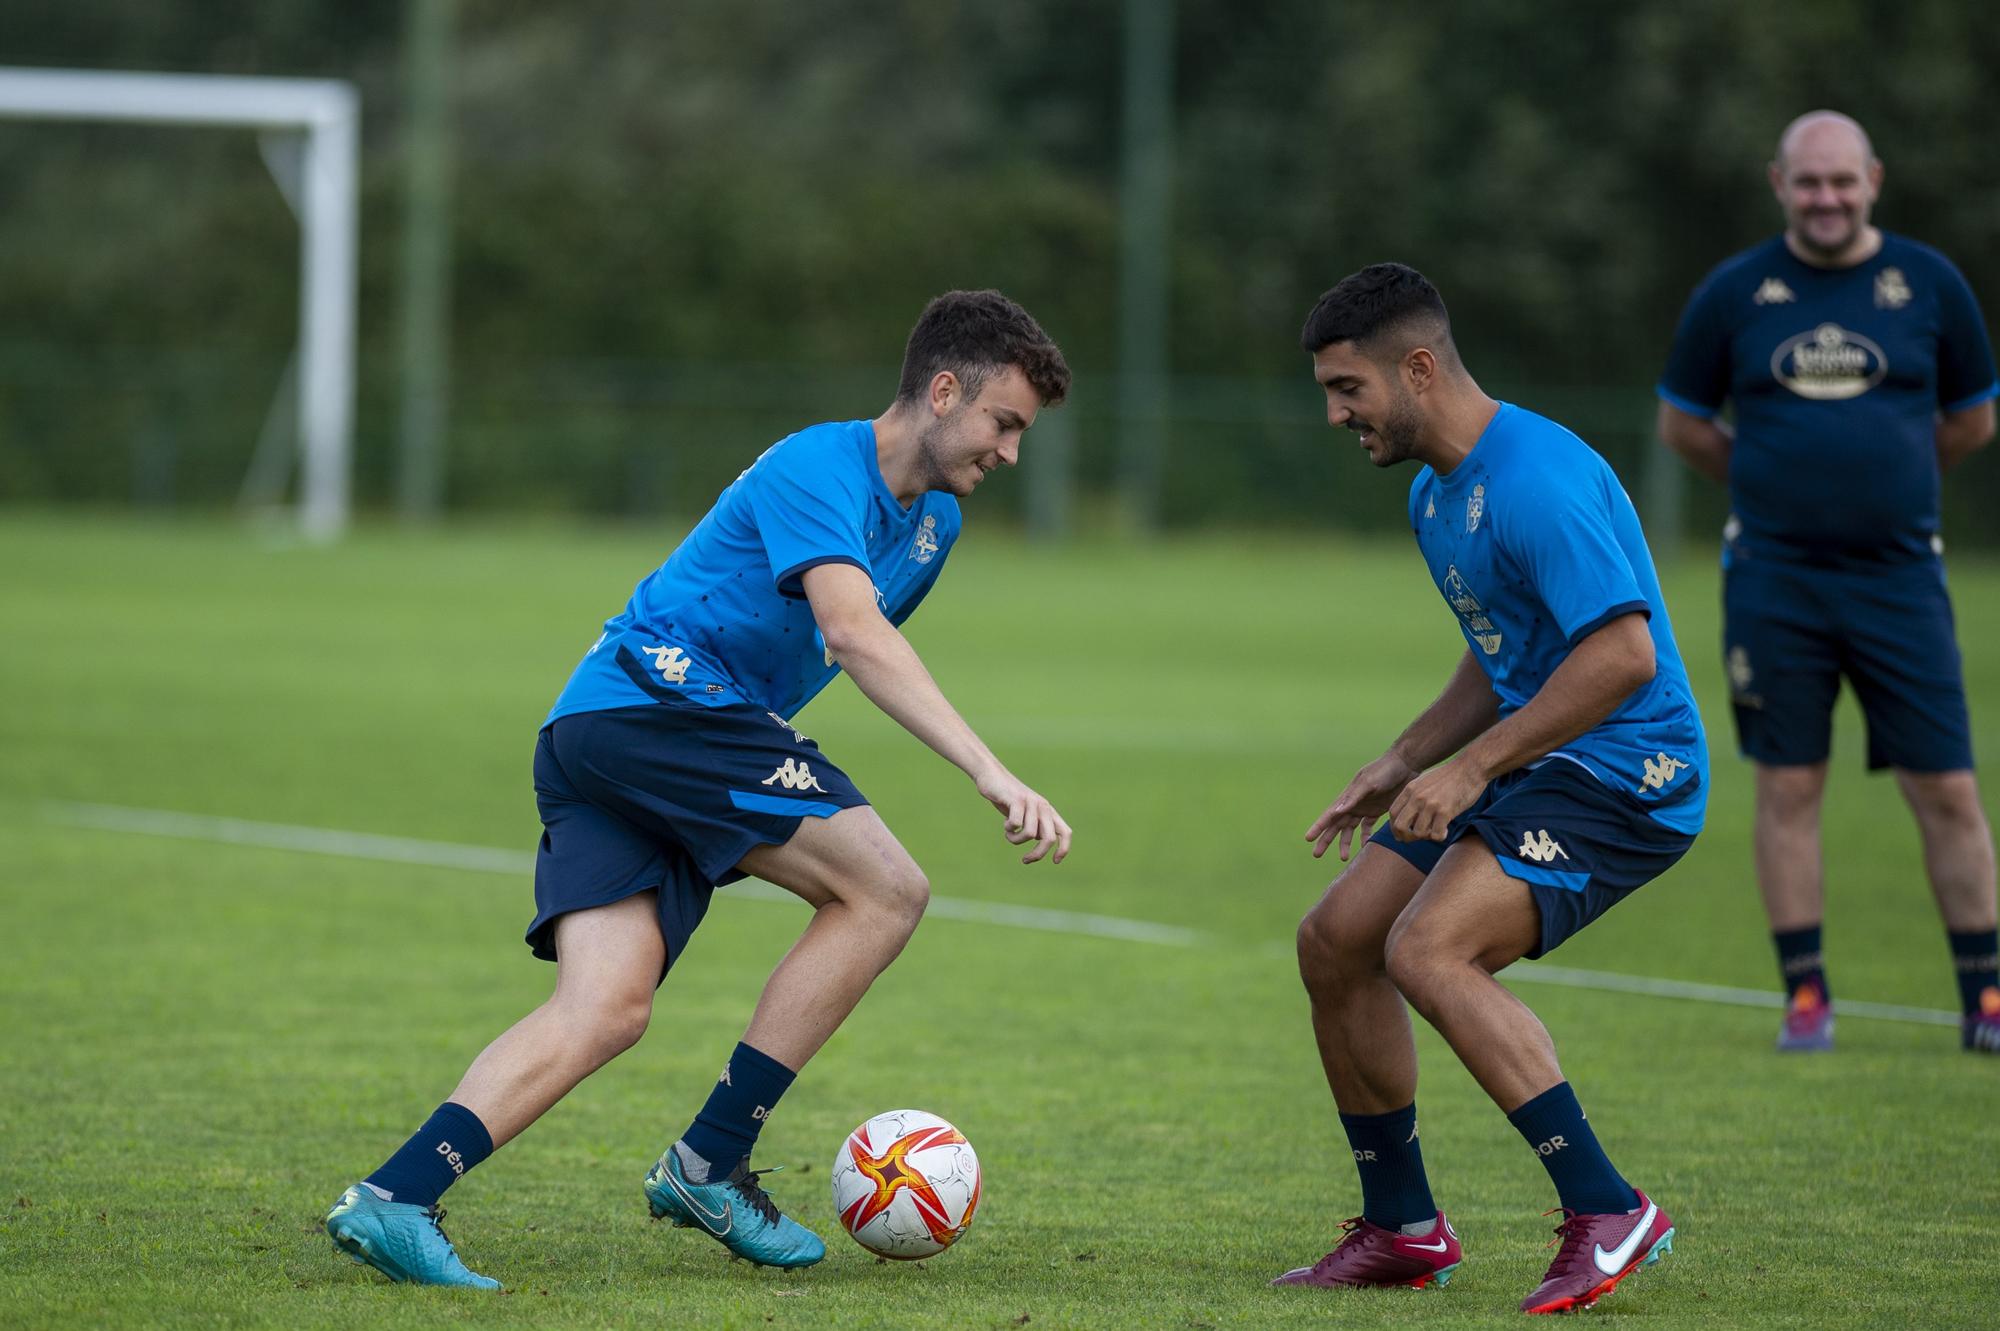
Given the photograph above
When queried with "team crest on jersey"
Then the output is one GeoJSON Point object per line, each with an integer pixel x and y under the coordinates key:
{"type": "Point", "coordinates": [1470, 612]}
{"type": "Point", "coordinates": [925, 547]}
{"type": "Point", "coordinates": [1660, 773]}
{"type": "Point", "coordinates": [1475, 509]}
{"type": "Point", "coordinates": [671, 662]}
{"type": "Point", "coordinates": [1892, 290]}
{"type": "Point", "coordinates": [1829, 364]}
{"type": "Point", "coordinates": [1773, 292]}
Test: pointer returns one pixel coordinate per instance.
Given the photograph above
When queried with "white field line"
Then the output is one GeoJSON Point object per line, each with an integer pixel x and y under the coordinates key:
{"type": "Point", "coordinates": [515, 863]}
{"type": "Point", "coordinates": [521, 864]}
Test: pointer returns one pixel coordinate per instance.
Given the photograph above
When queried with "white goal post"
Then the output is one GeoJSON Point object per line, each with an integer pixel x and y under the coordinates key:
{"type": "Point", "coordinates": [311, 143]}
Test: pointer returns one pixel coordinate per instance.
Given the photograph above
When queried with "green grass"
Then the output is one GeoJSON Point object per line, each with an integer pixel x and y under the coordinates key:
{"type": "Point", "coordinates": [204, 1043]}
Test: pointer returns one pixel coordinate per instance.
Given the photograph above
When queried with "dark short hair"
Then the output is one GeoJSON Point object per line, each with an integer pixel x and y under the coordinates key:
{"type": "Point", "coordinates": [976, 335]}
{"type": "Point", "coordinates": [1380, 298]}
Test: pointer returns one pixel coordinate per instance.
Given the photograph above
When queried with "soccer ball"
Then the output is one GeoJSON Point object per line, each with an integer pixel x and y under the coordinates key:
{"type": "Point", "coordinates": [905, 1184]}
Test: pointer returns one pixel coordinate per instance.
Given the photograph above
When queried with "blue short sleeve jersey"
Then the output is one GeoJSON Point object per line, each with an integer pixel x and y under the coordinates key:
{"type": "Point", "coordinates": [725, 619]}
{"type": "Point", "coordinates": [1535, 546]}
{"type": "Point", "coordinates": [1837, 376]}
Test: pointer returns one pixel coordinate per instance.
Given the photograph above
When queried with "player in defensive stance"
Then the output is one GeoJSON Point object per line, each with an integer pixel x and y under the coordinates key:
{"type": "Point", "coordinates": [669, 766]}
{"type": "Point", "coordinates": [1580, 773]}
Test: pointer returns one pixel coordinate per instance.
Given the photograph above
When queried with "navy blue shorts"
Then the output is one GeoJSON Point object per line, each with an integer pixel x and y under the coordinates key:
{"type": "Point", "coordinates": [1579, 845]}
{"type": "Point", "coordinates": [1790, 632]}
{"type": "Point", "coordinates": [667, 796]}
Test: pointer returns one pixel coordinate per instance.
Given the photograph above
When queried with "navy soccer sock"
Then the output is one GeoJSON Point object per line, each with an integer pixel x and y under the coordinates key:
{"type": "Point", "coordinates": [1975, 957]}
{"type": "Point", "coordinates": [1394, 1191]}
{"type": "Point", "coordinates": [450, 1142]}
{"type": "Point", "coordinates": [1585, 1181]}
{"type": "Point", "coordinates": [1800, 961]}
{"type": "Point", "coordinates": [725, 1130]}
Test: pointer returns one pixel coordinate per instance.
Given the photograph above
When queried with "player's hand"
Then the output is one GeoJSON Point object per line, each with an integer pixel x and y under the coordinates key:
{"type": "Point", "coordinates": [1367, 797]}
{"type": "Point", "coordinates": [1029, 818]}
{"type": "Point", "coordinates": [1423, 812]}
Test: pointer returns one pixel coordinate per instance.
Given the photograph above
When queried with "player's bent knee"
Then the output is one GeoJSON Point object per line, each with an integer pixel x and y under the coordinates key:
{"type": "Point", "coordinates": [1335, 945]}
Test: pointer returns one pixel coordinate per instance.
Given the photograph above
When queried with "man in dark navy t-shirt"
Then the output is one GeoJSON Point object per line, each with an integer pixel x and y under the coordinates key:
{"type": "Point", "coordinates": [1858, 370]}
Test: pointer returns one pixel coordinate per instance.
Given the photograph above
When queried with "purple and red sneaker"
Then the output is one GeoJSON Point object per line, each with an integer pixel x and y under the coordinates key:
{"type": "Point", "coordinates": [1369, 1255]}
{"type": "Point", "coordinates": [1980, 1032]}
{"type": "Point", "coordinates": [1597, 1252]}
{"type": "Point", "coordinates": [1808, 1027]}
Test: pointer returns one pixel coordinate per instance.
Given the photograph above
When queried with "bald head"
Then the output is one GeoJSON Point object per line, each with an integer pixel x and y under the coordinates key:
{"type": "Point", "coordinates": [1826, 177]}
{"type": "Point", "coordinates": [1824, 130]}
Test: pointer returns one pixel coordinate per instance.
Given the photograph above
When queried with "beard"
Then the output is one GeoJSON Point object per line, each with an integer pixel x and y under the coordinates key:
{"type": "Point", "coordinates": [933, 448]}
{"type": "Point", "coordinates": [1398, 433]}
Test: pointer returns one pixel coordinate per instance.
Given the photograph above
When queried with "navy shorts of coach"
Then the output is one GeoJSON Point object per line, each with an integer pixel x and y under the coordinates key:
{"type": "Point", "coordinates": [668, 796]}
{"type": "Point", "coordinates": [1578, 845]}
{"type": "Point", "coordinates": [1792, 631]}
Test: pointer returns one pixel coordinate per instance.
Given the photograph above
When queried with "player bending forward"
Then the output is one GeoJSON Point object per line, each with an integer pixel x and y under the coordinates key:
{"type": "Point", "coordinates": [669, 765]}
{"type": "Point", "coordinates": [1580, 774]}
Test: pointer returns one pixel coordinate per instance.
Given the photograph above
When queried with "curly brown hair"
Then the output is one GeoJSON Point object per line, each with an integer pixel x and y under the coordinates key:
{"type": "Point", "coordinates": [975, 335]}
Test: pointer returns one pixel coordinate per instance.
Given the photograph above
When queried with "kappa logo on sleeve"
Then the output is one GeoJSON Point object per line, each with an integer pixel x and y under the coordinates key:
{"type": "Point", "coordinates": [671, 662]}
{"type": "Point", "coordinates": [1660, 772]}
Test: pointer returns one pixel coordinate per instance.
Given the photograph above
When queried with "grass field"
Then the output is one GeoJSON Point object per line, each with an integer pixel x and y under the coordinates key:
{"type": "Point", "coordinates": [204, 1043]}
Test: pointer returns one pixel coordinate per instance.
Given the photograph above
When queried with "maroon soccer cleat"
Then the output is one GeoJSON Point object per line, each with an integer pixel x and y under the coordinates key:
{"type": "Point", "coordinates": [1808, 1025]}
{"type": "Point", "coordinates": [1597, 1252]}
{"type": "Point", "coordinates": [1980, 1032]}
{"type": "Point", "coordinates": [1369, 1255]}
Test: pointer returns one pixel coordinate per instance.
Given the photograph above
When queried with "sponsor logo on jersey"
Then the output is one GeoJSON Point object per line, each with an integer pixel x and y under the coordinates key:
{"type": "Point", "coordinates": [1470, 612]}
{"type": "Point", "coordinates": [1829, 364]}
{"type": "Point", "coordinates": [1660, 772]}
{"type": "Point", "coordinates": [794, 775]}
{"type": "Point", "coordinates": [1475, 508]}
{"type": "Point", "coordinates": [1773, 292]}
{"type": "Point", "coordinates": [925, 547]}
{"type": "Point", "coordinates": [671, 662]}
{"type": "Point", "coordinates": [1892, 290]}
{"type": "Point", "coordinates": [1540, 847]}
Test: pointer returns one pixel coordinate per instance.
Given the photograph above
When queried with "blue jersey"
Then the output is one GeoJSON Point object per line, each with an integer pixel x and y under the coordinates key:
{"type": "Point", "coordinates": [1837, 376]}
{"type": "Point", "coordinates": [725, 619]}
{"type": "Point", "coordinates": [1535, 545]}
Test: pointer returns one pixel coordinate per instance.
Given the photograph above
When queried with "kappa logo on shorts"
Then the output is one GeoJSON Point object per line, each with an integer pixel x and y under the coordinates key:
{"type": "Point", "coordinates": [671, 662]}
{"type": "Point", "coordinates": [1660, 771]}
{"type": "Point", "coordinates": [1540, 847]}
{"type": "Point", "coordinates": [794, 775]}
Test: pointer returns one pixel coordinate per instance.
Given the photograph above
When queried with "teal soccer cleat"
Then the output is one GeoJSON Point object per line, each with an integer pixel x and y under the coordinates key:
{"type": "Point", "coordinates": [736, 1212]}
{"type": "Point", "coordinates": [400, 1239]}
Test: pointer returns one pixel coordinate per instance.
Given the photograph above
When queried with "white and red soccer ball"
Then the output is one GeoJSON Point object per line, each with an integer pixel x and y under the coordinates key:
{"type": "Point", "coordinates": [905, 1184]}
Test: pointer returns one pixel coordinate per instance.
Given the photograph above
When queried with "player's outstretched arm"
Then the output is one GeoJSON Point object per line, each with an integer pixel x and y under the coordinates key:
{"type": "Point", "coordinates": [889, 673]}
{"type": "Point", "coordinates": [1599, 673]}
{"type": "Point", "coordinates": [1704, 442]}
{"type": "Point", "coordinates": [1465, 710]}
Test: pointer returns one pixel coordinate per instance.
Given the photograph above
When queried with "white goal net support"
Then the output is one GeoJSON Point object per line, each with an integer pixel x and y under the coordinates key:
{"type": "Point", "coordinates": [311, 142]}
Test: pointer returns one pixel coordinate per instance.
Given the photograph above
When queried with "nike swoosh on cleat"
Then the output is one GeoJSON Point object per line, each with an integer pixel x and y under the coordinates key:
{"type": "Point", "coordinates": [707, 1217]}
{"type": "Point", "coordinates": [1439, 1246]}
{"type": "Point", "coordinates": [1611, 1263]}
